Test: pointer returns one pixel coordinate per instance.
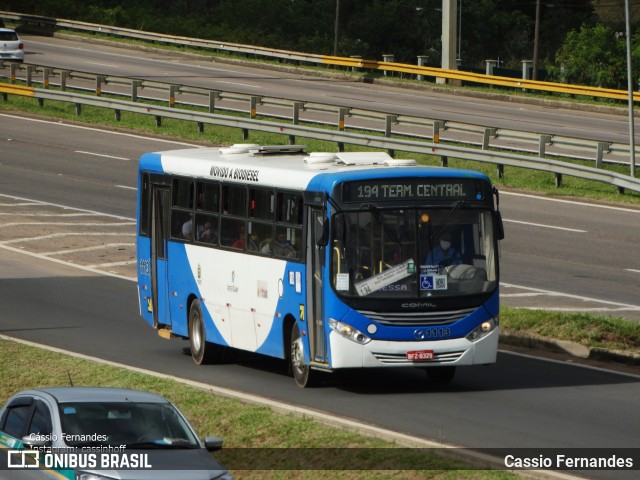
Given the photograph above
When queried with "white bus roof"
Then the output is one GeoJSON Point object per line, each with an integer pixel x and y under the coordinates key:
{"type": "Point", "coordinates": [278, 166]}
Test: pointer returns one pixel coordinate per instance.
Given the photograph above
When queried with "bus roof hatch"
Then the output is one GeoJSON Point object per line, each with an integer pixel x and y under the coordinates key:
{"type": "Point", "coordinates": [363, 158]}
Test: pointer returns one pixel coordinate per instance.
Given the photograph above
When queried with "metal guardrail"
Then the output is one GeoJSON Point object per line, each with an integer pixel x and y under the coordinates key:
{"type": "Point", "coordinates": [339, 137]}
{"type": "Point", "coordinates": [437, 130]}
{"type": "Point", "coordinates": [352, 63]}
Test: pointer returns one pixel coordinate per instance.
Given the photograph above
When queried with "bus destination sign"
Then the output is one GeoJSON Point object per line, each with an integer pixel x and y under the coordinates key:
{"type": "Point", "coordinates": [387, 190]}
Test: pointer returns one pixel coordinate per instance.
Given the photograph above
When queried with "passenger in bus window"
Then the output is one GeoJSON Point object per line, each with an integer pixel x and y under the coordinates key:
{"type": "Point", "coordinates": [252, 242]}
{"type": "Point", "coordinates": [187, 230]}
{"type": "Point", "coordinates": [444, 254]}
{"type": "Point", "coordinates": [208, 234]}
{"type": "Point", "coordinates": [280, 247]}
{"type": "Point", "coordinates": [240, 238]}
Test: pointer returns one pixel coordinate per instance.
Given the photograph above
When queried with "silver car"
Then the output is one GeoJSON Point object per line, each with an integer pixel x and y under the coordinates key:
{"type": "Point", "coordinates": [11, 47]}
{"type": "Point", "coordinates": [93, 433]}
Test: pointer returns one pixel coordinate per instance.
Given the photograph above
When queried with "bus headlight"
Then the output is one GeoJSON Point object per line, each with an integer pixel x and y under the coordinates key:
{"type": "Point", "coordinates": [349, 332]}
{"type": "Point", "coordinates": [483, 329]}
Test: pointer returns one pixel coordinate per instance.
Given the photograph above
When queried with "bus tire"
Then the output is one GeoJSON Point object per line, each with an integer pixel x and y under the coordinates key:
{"type": "Point", "coordinates": [202, 351]}
{"type": "Point", "coordinates": [303, 375]}
{"type": "Point", "coordinates": [441, 375]}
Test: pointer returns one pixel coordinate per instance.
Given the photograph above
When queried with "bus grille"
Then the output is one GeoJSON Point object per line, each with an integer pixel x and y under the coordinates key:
{"type": "Point", "coordinates": [417, 318]}
{"type": "Point", "coordinates": [401, 358]}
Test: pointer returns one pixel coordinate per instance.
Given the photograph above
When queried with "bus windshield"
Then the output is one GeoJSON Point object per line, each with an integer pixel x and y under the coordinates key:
{"type": "Point", "coordinates": [413, 252]}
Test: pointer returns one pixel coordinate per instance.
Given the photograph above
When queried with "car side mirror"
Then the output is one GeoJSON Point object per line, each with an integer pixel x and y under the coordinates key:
{"type": "Point", "coordinates": [213, 444]}
{"type": "Point", "coordinates": [37, 441]}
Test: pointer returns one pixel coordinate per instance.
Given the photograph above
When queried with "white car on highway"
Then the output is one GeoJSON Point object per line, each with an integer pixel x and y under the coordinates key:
{"type": "Point", "coordinates": [11, 47]}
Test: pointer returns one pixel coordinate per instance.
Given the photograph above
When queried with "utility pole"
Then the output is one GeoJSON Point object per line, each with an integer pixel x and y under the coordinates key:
{"type": "Point", "coordinates": [449, 35]}
{"type": "Point", "coordinates": [632, 143]}
{"type": "Point", "coordinates": [536, 39]}
{"type": "Point", "coordinates": [335, 29]}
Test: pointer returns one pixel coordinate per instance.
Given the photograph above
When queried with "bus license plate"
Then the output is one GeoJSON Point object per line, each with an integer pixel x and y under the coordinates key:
{"type": "Point", "coordinates": [420, 355]}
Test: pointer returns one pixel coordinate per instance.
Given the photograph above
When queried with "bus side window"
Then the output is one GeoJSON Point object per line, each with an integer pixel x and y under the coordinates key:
{"type": "Point", "coordinates": [286, 244]}
{"type": "Point", "coordinates": [234, 200]}
{"type": "Point", "coordinates": [145, 206]}
{"type": "Point", "coordinates": [289, 208]}
{"type": "Point", "coordinates": [233, 233]}
{"type": "Point", "coordinates": [207, 228]}
{"type": "Point", "coordinates": [208, 196]}
{"type": "Point", "coordinates": [181, 225]}
{"type": "Point", "coordinates": [182, 193]}
{"type": "Point", "coordinates": [261, 234]}
{"type": "Point", "coordinates": [261, 204]}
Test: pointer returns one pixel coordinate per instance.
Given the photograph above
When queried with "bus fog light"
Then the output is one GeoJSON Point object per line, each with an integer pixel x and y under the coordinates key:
{"type": "Point", "coordinates": [349, 332]}
{"type": "Point", "coordinates": [482, 330]}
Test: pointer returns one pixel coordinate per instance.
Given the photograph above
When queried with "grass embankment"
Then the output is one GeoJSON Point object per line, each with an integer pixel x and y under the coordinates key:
{"type": "Point", "coordinates": [597, 331]}
{"type": "Point", "coordinates": [242, 426]}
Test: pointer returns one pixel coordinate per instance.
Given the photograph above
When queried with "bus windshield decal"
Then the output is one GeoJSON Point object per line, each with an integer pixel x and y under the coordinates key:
{"type": "Point", "coordinates": [392, 275]}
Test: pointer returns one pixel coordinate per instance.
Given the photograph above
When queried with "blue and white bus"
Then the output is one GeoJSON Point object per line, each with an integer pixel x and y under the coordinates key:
{"type": "Point", "coordinates": [327, 260]}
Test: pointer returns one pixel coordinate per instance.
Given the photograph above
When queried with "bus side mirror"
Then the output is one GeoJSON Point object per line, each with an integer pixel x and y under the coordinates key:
{"type": "Point", "coordinates": [322, 232]}
{"type": "Point", "coordinates": [499, 225]}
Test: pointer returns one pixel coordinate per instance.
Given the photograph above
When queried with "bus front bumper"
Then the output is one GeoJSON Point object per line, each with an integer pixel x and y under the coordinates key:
{"type": "Point", "coordinates": [346, 353]}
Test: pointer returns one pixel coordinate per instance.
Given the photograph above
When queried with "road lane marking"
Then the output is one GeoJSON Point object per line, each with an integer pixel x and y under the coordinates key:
{"type": "Point", "coordinates": [66, 234]}
{"type": "Point", "coordinates": [102, 155]}
{"type": "Point", "coordinates": [60, 124]}
{"type": "Point", "coordinates": [238, 84]}
{"type": "Point", "coordinates": [113, 264]}
{"type": "Point", "coordinates": [514, 295]}
{"type": "Point", "coordinates": [65, 224]}
{"type": "Point", "coordinates": [570, 202]}
{"type": "Point", "coordinates": [545, 226]}
{"type": "Point", "coordinates": [569, 295]}
{"type": "Point", "coordinates": [88, 249]}
{"type": "Point", "coordinates": [103, 64]}
{"type": "Point", "coordinates": [66, 264]}
{"type": "Point", "coordinates": [51, 215]}
{"type": "Point", "coordinates": [588, 309]}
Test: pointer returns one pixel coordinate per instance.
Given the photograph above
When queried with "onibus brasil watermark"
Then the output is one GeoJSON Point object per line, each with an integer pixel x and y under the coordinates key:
{"type": "Point", "coordinates": [95, 456]}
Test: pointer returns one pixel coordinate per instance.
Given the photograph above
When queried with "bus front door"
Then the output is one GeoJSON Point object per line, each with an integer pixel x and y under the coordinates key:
{"type": "Point", "coordinates": [159, 274]}
{"type": "Point", "coordinates": [315, 267]}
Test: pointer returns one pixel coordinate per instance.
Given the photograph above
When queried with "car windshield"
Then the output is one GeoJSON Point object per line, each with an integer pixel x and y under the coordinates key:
{"type": "Point", "coordinates": [134, 425]}
{"type": "Point", "coordinates": [413, 253]}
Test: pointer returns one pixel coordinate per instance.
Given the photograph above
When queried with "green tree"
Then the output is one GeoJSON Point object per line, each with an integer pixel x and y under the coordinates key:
{"type": "Point", "coordinates": [592, 56]}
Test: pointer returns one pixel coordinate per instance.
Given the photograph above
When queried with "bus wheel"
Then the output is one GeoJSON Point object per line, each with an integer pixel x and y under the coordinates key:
{"type": "Point", "coordinates": [440, 375]}
{"type": "Point", "coordinates": [303, 375]}
{"type": "Point", "coordinates": [201, 351]}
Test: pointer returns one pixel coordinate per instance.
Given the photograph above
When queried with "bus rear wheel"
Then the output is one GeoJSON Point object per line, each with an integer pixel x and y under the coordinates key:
{"type": "Point", "coordinates": [202, 351]}
{"type": "Point", "coordinates": [440, 375]}
{"type": "Point", "coordinates": [302, 373]}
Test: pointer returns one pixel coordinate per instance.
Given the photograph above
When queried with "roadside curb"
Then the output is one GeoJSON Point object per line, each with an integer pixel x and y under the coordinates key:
{"type": "Point", "coordinates": [573, 349]}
